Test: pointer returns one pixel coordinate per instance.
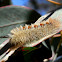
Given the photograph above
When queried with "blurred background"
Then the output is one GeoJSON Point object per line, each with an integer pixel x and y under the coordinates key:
{"type": "Point", "coordinates": [41, 6]}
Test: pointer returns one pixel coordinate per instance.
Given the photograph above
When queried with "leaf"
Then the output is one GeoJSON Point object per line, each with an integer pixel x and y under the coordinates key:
{"type": "Point", "coordinates": [14, 16]}
{"type": "Point", "coordinates": [57, 15]}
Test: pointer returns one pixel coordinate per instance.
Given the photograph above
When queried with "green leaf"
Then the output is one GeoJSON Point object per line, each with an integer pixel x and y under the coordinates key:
{"type": "Point", "coordinates": [14, 16]}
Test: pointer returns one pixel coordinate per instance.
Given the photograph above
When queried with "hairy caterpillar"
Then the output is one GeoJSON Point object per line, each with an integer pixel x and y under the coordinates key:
{"type": "Point", "coordinates": [29, 34]}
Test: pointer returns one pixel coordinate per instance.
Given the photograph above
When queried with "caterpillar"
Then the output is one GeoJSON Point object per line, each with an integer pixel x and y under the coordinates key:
{"type": "Point", "coordinates": [34, 33]}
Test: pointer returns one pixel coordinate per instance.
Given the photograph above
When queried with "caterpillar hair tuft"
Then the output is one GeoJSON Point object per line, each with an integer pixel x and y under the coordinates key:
{"type": "Point", "coordinates": [34, 32]}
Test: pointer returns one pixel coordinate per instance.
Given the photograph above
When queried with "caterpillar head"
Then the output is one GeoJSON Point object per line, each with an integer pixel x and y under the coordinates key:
{"type": "Point", "coordinates": [55, 22]}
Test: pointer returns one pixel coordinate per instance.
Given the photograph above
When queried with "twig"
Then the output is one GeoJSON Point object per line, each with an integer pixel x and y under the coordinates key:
{"type": "Point", "coordinates": [57, 3]}
{"type": "Point", "coordinates": [59, 43]}
{"type": "Point", "coordinates": [56, 52]}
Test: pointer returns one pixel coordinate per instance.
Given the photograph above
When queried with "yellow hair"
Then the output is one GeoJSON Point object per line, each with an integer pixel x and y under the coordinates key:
{"type": "Point", "coordinates": [22, 36]}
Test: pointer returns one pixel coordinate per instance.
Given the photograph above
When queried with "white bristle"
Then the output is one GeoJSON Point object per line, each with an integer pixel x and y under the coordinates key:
{"type": "Point", "coordinates": [17, 29]}
{"type": "Point", "coordinates": [10, 35]}
{"type": "Point", "coordinates": [14, 30]}
{"type": "Point", "coordinates": [26, 26]}
{"type": "Point", "coordinates": [32, 25]}
{"type": "Point", "coordinates": [21, 27]}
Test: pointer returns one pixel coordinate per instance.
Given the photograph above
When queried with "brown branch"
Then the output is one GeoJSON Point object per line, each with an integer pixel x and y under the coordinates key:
{"type": "Point", "coordinates": [57, 3]}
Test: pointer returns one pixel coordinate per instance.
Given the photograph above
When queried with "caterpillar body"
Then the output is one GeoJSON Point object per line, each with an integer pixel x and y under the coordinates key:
{"type": "Point", "coordinates": [34, 33]}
